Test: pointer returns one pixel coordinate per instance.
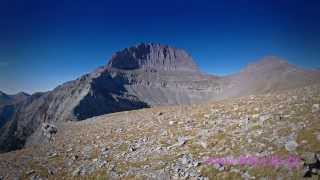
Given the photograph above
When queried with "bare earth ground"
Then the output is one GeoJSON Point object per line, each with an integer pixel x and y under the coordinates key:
{"type": "Point", "coordinates": [172, 142]}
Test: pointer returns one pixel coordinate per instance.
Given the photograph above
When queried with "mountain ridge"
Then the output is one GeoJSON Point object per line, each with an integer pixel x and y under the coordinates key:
{"type": "Point", "coordinates": [160, 75]}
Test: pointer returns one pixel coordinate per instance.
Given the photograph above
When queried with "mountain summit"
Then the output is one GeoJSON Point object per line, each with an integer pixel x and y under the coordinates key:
{"type": "Point", "coordinates": [268, 63]}
{"type": "Point", "coordinates": [153, 56]}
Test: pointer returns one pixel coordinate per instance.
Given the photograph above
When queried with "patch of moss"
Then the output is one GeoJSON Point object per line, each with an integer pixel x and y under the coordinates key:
{"type": "Point", "coordinates": [39, 170]}
{"type": "Point", "coordinates": [210, 172]}
{"type": "Point", "coordinates": [309, 135]}
{"type": "Point", "coordinates": [284, 131]}
{"type": "Point", "coordinates": [123, 147]}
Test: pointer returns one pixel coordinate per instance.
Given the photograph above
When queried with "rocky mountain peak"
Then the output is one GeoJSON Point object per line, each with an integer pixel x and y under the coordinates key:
{"type": "Point", "coordinates": [152, 56]}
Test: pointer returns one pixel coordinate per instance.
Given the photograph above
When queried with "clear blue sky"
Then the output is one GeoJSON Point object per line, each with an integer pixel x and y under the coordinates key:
{"type": "Point", "coordinates": [45, 43]}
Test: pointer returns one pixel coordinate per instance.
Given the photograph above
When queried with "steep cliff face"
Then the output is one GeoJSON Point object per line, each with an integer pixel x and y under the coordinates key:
{"type": "Point", "coordinates": [162, 75]}
{"type": "Point", "coordinates": [142, 76]}
{"type": "Point", "coordinates": [152, 56]}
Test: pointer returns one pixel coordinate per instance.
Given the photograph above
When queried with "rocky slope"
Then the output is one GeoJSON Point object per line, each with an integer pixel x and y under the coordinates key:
{"type": "Point", "coordinates": [145, 75]}
{"type": "Point", "coordinates": [175, 141]}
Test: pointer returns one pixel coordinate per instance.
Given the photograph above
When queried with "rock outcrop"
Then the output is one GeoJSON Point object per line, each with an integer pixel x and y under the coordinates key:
{"type": "Point", "coordinates": [153, 56]}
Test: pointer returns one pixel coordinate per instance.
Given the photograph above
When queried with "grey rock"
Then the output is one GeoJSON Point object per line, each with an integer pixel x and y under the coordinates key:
{"type": "Point", "coordinates": [104, 151]}
{"type": "Point", "coordinates": [132, 148]}
{"type": "Point", "coordinates": [76, 172]}
{"type": "Point", "coordinates": [218, 167]}
{"type": "Point", "coordinates": [246, 176]}
{"type": "Point", "coordinates": [291, 146]}
{"type": "Point", "coordinates": [52, 155]}
{"type": "Point", "coordinates": [318, 136]}
{"type": "Point", "coordinates": [101, 163]}
{"type": "Point", "coordinates": [263, 118]}
{"type": "Point", "coordinates": [186, 167]}
{"type": "Point", "coordinates": [74, 157]}
{"type": "Point", "coordinates": [35, 177]}
{"type": "Point", "coordinates": [51, 171]}
{"type": "Point", "coordinates": [30, 172]}
{"type": "Point", "coordinates": [315, 108]}
{"type": "Point", "coordinates": [49, 130]}
{"type": "Point", "coordinates": [181, 140]}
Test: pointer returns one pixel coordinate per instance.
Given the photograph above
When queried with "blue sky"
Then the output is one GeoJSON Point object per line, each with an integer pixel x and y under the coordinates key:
{"type": "Point", "coordinates": [45, 43]}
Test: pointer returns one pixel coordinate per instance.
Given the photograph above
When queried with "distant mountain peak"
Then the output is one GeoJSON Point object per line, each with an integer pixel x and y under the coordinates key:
{"type": "Point", "coordinates": [152, 56]}
{"type": "Point", "coordinates": [21, 94]}
{"type": "Point", "coordinates": [268, 63]}
{"type": "Point", "coordinates": [3, 94]}
{"type": "Point", "coordinates": [272, 59]}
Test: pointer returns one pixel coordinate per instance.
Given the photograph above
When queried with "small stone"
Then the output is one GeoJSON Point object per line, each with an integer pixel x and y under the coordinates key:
{"type": "Point", "coordinates": [304, 142]}
{"type": "Point", "coordinates": [181, 140]}
{"type": "Point", "coordinates": [104, 149]}
{"type": "Point", "coordinates": [196, 163]}
{"type": "Point", "coordinates": [120, 130]}
{"type": "Point", "coordinates": [263, 118]}
{"type": "Point", "coordinates": [132, 148]}
{"type": "Point", "coordinates": [185, 160]}
{"type": "Point", "coordinates": [318, 137]}
{"type": "Point", "coordinates": [246, 175]}
{"type": "Point", "coordinates": [164, 133]}
{"type": "Point", "coordinates": [35, 177]}
{"type": "Point", "coordinates": [76, 172]}
{"type": "Point", "coordinates": [317, 156]}
{"type": "Point", "coordinates": [291, 146]}
{"type": "Point", "coordinates": [218, 167]}
{"type": "Point", "coordinates": [172, 122]}
{"type": "Point", "coordinates": [204, 144]}
{"type": "Point", "coordinates": [206, 116]}
{"type": "Point", "coordinates": [74, 157]}
{"type": "Point", "coordinates": [315, 108]}
{"type": "Point", "coordinates": [30, 172]}
{"type": "Point", "coordinates": [254, 116]}
{"type": "Point", "coordinates": [53, 155]}
{"type": "Point", "coordinates": [49, 130]}
{"type": "Point", "coordinates": [101, 163]}
{"type": "Point", "coordinates": [50, 172]}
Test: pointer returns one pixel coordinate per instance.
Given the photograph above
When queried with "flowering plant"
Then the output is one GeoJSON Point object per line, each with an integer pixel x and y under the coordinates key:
{"type": "Point", "coordinates": [273, 161]}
